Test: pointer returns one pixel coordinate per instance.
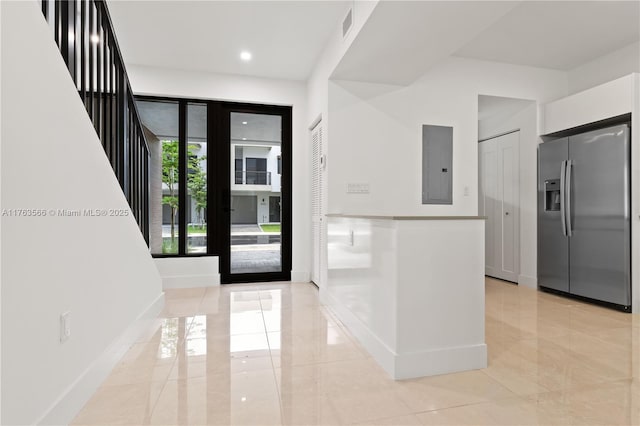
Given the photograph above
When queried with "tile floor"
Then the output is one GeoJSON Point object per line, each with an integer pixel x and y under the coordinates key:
{"type": "Point", "coordinates": [272, 354]}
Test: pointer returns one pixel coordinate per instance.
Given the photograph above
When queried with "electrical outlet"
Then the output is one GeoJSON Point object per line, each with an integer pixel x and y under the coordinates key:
{"type": "Point", "coordinates": [65, 326]}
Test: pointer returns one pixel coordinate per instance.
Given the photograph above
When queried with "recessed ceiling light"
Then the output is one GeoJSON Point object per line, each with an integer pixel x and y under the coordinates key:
{"type": "Point", "coordinates": [244, 122]}
{"type": "Point", "coordinates": [95, 38]}
{"type": "Point", "coordinates": [245, 56]}
{"type": "Point", "coordinates": [244, 139]}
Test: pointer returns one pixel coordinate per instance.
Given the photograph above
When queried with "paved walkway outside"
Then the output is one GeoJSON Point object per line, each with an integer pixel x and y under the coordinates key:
{"type": "Point", "coordinates": [255, 258]}
{"type": "Point", "coordinates": [247, 255]}
{"type": "Point", "coordinates": [245, 228]}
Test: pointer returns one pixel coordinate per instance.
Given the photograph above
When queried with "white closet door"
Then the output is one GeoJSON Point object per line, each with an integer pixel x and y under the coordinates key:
{"type": "Point", "coordinates": [317, 210]}
{"type": "Point", "coordinates": [499, 200]}
{"type": "Point", "coordinates": [488, 191]}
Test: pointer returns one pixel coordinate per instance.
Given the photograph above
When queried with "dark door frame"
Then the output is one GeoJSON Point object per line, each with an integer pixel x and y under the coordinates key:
{"type": "Point", "coordinates": [224, 172]}
{"type": "Point", "coordinates": [218, 210]}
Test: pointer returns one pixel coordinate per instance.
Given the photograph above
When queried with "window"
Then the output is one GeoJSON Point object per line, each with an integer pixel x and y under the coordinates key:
{"type": "Point", "coordinates": [196, 203]}
{"type": "Point", "coordinates": [177, 139]}
{"type": "Point", "coordinates": [279, 165]}
{"type": "Point", "coordinates": [257, 171]}
{"type": "Point", "coordinates": [164, 173]}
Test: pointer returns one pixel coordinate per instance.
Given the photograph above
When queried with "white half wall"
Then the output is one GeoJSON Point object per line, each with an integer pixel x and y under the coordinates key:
{"type": "Point", "coordinates": [402, 293]}
{"type": "Point", "coordinates": [96, 268]}
{"type": "Point", "coordinates": [525, 120]}
{"type": "Point", "coordinates": [201, 85]}
{"type": "Point", "coordinates": [188, 272]}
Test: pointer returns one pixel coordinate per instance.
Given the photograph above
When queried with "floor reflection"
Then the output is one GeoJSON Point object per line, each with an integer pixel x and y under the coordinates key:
{"type": "Point", "coordinates": [272, 354]}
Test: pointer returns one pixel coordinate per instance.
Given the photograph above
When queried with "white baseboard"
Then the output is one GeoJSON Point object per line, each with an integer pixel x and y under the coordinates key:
{"type": "Point", "coordinates": [379, 350]}
{"type": "Point", "coordinates": [300, 276]}
{"type": "Point", "coordinates": [408, 365]}
{"type": "Point", "coordinates": [440, 361]}
{"type": "Point", "coordinates": [69, 404]}
{"type": "Point", "coordinates": [190, 281]}
{"type": "Point", "coordinates": [528, 281]}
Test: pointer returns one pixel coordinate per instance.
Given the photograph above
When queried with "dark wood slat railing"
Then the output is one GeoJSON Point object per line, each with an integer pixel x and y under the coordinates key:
{"type": "Point", "coordinates": [84, 34]}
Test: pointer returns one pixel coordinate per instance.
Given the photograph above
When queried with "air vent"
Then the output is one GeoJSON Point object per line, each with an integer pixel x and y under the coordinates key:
{"type": "Point", "coordinates": [346, 24]}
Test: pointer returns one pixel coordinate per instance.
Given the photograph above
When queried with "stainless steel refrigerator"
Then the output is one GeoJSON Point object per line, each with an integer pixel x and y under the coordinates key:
{"type": "Point", "coordinates": [584, 207]}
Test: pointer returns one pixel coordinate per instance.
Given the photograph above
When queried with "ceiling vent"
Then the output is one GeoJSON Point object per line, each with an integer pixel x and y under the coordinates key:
{"type": "Point", "coordinates": [347, 23]}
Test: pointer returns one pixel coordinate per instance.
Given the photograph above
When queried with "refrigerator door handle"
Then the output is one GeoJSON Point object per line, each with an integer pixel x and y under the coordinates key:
{"type": "Point", "coordinates": [563, 219]}
{"type": "Point", "coordinates": [567, 193]}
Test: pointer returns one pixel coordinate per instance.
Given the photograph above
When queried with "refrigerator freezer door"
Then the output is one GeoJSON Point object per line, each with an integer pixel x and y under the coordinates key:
{"type": "Point", "coordinates": [599, 220]}
{"type": "Point", "coordinates": [553, 245]}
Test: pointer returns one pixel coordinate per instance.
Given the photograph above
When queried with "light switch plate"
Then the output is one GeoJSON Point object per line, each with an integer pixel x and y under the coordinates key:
{"type": "Point", "coordinates": [357, 188]}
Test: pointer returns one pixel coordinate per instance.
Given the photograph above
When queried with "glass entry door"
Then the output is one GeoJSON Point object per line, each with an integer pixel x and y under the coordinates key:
{"type": "Point", "coordinates": [220, 184]}
{"type": "Point", "coordinates": [258, 232]}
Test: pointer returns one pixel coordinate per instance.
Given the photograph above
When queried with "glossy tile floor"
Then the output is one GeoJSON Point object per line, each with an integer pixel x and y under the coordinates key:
{"type": "Point", "coordinates": [271, 354]}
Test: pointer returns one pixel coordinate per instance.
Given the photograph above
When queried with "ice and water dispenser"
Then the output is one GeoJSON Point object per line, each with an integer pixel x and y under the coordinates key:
{"type": "Point", "coordinates": [552, 195]}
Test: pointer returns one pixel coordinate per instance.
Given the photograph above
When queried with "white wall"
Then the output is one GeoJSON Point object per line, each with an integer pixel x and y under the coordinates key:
{"type": "Point", "coordinates": [177, 83]}
{"type": "Point", "coordinates": [376, 139]}
{"type": "Point", "coordinates": [335, 49]}
{"type": "Point", "coordinates": [99, 269]}
{"type": "Point", "coordinates": [272, 167]}
{"type": "Point", "coordinates": [526, 121]}
{"type": "Point", "coordinates": [376, 133]}
{"type": "Point", "coordinates": [318, 97]}
{"type": "Point", "coordinates": [614, 65]}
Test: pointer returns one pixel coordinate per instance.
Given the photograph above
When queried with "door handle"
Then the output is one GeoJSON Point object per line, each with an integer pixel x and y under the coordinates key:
{"type": "Point", "coordinates": [506, 213]}
{"type": "Point", "coordinates": [563, 219]}
{"type": "Point", "coordinates": [568, 195]}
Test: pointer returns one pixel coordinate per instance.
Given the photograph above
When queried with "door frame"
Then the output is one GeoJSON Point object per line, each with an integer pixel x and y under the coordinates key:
{"type": "Point", "coordinates": [498, 225]}
{"type": "Point", "coordinates": [223, 197]}
{"type": "Point", "coordinates": [317, 252]}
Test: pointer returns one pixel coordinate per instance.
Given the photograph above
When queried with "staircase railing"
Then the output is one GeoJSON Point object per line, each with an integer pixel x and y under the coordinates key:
{"type": "Point", "coordinates": [84, 34]}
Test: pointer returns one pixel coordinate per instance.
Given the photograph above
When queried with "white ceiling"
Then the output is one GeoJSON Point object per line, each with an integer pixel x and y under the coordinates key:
{"type": "Point", "coordinates": [260, 128]}
{"type": "Point", "coordinates": [403, 39]}
{"type": "Point", "coordinates": [161, 119]}
{"type": "Point", "coordinates": [285, 37]}
{"type": "Point", "coordinates": [557, 34]}
{"type": "Point", "coordinates": [399, 43]}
